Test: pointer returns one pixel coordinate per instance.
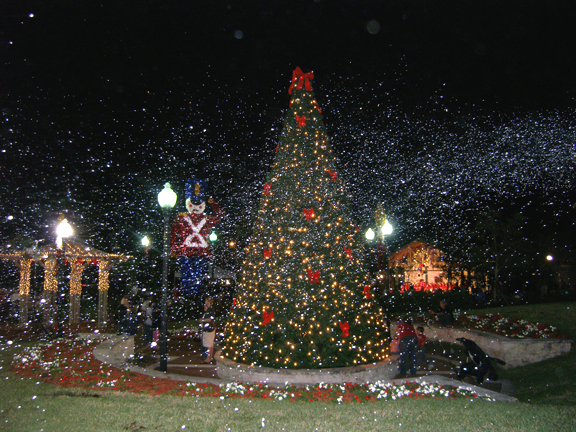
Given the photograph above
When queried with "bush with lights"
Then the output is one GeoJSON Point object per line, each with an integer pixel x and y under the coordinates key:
{"type": "Point", "coordinates": [303, 297]}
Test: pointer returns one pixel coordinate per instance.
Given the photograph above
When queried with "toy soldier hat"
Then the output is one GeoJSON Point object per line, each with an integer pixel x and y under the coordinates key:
{"type": "Point", "coordinates": [196, 191]}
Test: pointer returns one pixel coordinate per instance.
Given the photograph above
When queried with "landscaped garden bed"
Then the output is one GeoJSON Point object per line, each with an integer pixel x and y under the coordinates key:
{"type": "Point", "coordinates": [70, 363]}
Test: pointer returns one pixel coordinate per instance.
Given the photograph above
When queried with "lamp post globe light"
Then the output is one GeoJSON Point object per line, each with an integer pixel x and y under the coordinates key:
{"type": "Point", "coordinates": [167, 199]}
{"type": "Point", "coordinates": [63, 230]}
{"type": "Point", "coordinates": [386, 228]}
{"type": "Point", "coordinates": [370, 234]}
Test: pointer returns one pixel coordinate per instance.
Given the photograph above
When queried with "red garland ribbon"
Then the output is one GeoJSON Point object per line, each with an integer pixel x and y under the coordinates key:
{"type": "Point", "coordinates": [301, 121]}
{"type": "Point", "coordinates": [333, 174]}
{"type": "Point", "coordinates": [302, 78]}
{"type": "Point", "coordinates": [94, 261]}
{"type": "Point", "coordinates": [367, 293]}
{"type": "Point", "coordinates": [267, 188]}
{"type": "Point", "coordinates": [266, 317]}
{"type": "Point", "coordinates": [314, 276]}
{"type": "Point", "coordinates": [267, 253]}
{"type": "Point", "coordinates": [345, 327]}
{"type": "Point", "coordinates": [309, 213]}
{"type": "Point", "coordinates": [348, 252]}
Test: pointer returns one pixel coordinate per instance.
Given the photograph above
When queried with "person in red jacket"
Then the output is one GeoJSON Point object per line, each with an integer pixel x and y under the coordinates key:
{"type": "Point", "coordinates": [190, 233]}
{"type": "Point", "coordinates": [408, 347]}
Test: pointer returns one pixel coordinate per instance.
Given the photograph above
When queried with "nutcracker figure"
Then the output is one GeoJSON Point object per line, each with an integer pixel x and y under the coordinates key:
{"type": "Point", "coordinates": [190, 236]}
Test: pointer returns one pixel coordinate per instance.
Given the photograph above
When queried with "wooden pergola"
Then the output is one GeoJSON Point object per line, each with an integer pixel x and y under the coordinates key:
{"type": "Point", "coordinates": [77, 255]}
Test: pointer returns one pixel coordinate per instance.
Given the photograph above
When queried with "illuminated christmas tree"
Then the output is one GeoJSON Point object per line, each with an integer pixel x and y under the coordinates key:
{"type": "Point", "coordinates": [303, 298]}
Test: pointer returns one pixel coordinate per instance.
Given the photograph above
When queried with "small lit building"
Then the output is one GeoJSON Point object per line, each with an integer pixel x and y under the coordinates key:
{"type": "Point", "coordinates": [418, 266]}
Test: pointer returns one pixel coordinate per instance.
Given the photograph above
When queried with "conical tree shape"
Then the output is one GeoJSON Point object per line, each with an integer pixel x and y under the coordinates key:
{"type": "Point", "coordinates": [303, 299]}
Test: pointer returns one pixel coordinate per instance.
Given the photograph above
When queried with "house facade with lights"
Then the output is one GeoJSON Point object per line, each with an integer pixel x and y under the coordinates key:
{"type": "Point", "coordinates": [418, 266]}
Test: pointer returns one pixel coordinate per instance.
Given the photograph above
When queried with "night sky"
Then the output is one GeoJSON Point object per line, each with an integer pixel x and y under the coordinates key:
{"type": "Point", "coordinates": [440, 110]}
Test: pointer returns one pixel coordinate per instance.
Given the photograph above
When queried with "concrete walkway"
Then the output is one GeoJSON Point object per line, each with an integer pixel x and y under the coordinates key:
{"type": "Point", "coordinates": [116, 350]}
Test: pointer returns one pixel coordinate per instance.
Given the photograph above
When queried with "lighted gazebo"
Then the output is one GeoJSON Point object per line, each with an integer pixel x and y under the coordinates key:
{"type": "Point", "coordinates": [78, 255]}
{"type": "Point", "coordinates": [422, 267]}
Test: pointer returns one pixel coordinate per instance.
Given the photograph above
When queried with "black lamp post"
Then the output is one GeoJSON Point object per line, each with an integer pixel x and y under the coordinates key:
{"type": "Point", "coordinates": [167, 200]}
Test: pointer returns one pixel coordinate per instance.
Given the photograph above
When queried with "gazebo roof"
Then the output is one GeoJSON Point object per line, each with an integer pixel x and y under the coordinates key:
{"type": "Point", "coordinates": [70, 250]}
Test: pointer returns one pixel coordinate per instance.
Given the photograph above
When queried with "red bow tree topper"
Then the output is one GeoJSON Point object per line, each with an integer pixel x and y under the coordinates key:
{"type": "Point", "coordinates": [301, 120]}
{"type": "Point", "coordinates": [267, 253]}
{"type": "Point", "coordinates": [309, 213]}
{"type": "Point", "coordinates": [266, 317]}
{"type": "Point", "coordinates": [301, 80]}
{"type": "Point", "coordinates": [267, 188]}
{"type": "Point", "coordinates": [367, 293]}
{"type": "Point", "coordinates": [345, 327]}
{"type": "Point", "coordinates": [348, 252]}
{"type": "Point", "coordinates": [314, 276]}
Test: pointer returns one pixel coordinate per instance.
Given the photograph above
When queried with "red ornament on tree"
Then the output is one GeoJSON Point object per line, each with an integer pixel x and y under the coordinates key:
{"type": "Point", "coordinates": [345, 327]}
{"type": "Point", "coordinates": [267, 188]}
{"type": "Point", "coordinates": [314, 276]}
{"type": "Point", "coordinates": [266, 317]}
{"type": "Point", "coordinates": [309, 213]}
{"type": "Point", "coordinates": [367, 293]}
{"type": "Point", "coordinates": [333, 174]}
{"type": "Point", "coordinates": [267, 253]}
{"type": "Point", "coordinates": [348, 252]}
{"type": "Point", "coordinates": [301, 121]}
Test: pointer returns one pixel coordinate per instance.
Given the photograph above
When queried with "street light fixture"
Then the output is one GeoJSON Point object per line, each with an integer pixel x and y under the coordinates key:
{"type": "Point", "coordinates": [167, 199]}
{"type": "Point", "coordinates": [370, 234]}
{"type": "Point", "coordinates": [386, 228]}
{"type": "Point", "coordinates": [63, 230]}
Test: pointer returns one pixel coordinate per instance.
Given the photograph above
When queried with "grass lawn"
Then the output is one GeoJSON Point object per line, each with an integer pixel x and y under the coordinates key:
{"type": "Point", "coordinates": [546, 391]}
{"type": "Point", "coordinates": [552, 381]}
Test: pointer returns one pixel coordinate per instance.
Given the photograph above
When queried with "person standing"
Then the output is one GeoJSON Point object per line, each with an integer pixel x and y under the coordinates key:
{"type": "Point", "coordinates": [148, 308]}
{"type": "Point", "coordinates": [444, 314]}
{"type": "Point", "coordinates": [122, 316]}
{"type": "Point", "coordinates": [208, 329]}
{"type": "Point", "coordinates": [408, 346]}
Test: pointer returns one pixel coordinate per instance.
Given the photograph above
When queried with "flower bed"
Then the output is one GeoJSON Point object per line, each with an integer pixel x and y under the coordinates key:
{"type": "Point", "coordinates": [70, 363]}
{"type": "Point", "coordinates": [509, 327]}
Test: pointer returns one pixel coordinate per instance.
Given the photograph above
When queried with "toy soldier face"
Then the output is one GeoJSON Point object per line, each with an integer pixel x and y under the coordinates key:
{"type": "Point", "coordinates": [197, 209]}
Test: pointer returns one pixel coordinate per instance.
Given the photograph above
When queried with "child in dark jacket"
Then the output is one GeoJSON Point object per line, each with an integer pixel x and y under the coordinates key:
{"type": "Point", "coordinates": [421, 355]}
